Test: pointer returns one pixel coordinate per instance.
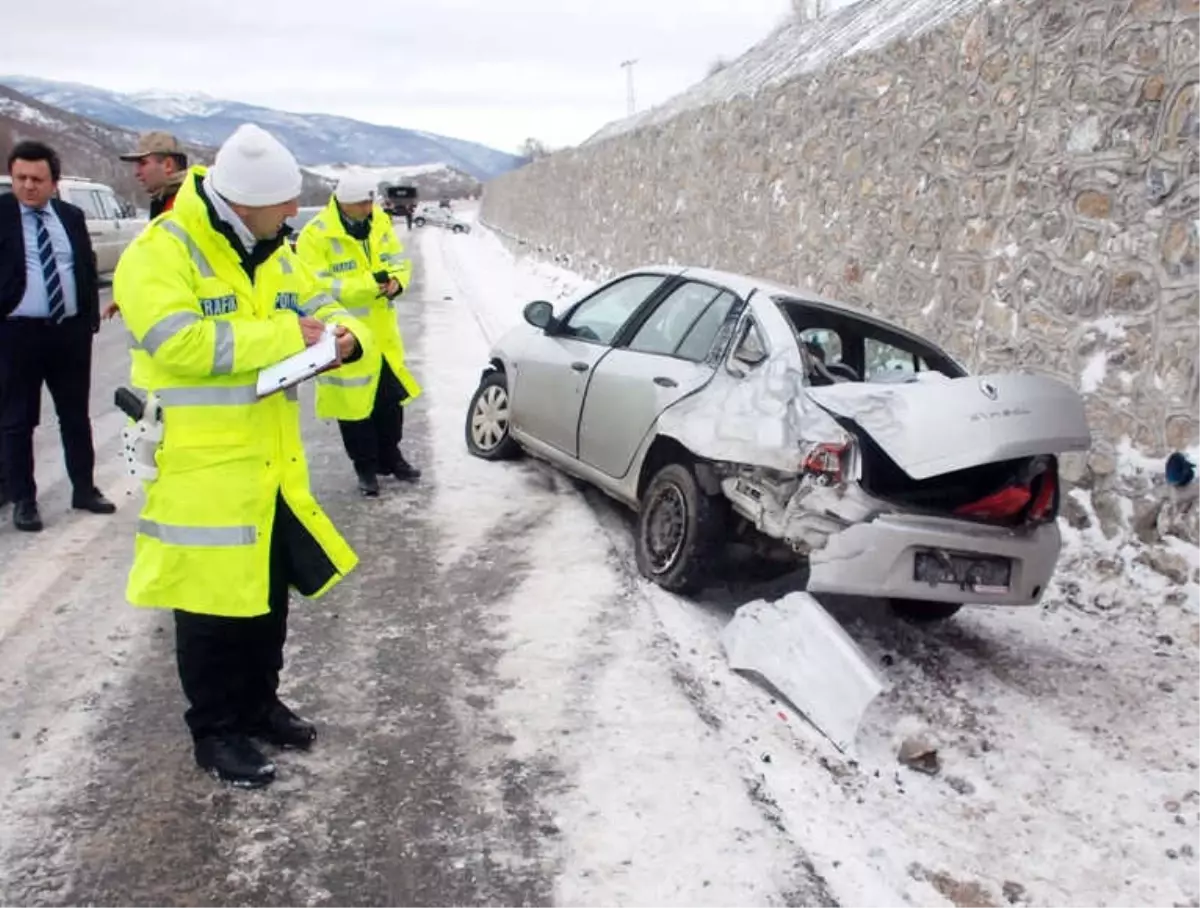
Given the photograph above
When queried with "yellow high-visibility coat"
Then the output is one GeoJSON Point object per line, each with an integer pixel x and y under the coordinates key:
{"type": "Point", "coordinates": [347, 270]}
{"type": "Point", "coordinates": [204, 320]}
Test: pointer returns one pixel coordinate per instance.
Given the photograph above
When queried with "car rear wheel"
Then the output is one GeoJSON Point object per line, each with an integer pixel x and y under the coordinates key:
{"type": "Point", "coordinates": [457, 228]}
{"type": "Point", "coordinates": [419, 222]}
{"type": "Point", "coordinates": [919, 611]}
{"type": "Point", "coordinates": [488, 420]}
{"type": "Point", "coordinates": [680, 530]}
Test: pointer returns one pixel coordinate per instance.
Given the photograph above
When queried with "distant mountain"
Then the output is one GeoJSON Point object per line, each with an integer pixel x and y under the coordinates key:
{"type": "Point", "coordinates": [90, 149]}
{"type": "Point", "coordinates": [313, 138]}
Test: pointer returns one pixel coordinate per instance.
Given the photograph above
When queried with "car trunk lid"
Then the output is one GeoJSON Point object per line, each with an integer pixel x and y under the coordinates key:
{"type": "Point", "coordinates": [935, 425]}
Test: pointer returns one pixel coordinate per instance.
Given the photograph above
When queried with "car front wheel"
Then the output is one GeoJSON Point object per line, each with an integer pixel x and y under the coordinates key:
{"type": "Point", "coordinates": [487, 426]}
{"type": "Point", "coordinates": [419, 222]}
{"type": "Point", "coordinates": [680, 530]}
{"type": "Point", "coordinates": [458, 228]}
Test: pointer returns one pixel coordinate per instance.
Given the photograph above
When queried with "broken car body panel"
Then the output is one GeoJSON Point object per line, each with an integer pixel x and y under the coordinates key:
{"type": "Point", "coordinates": [801, 651]}
{"type": "Point", "coordinates": [938, 425]}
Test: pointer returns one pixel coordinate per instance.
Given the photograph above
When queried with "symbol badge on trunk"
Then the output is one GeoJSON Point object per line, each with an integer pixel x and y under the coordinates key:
{"type": "Point", "coordinates": [990, 391]}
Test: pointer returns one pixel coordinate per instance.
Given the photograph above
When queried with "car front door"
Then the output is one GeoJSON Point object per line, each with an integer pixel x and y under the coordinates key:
{"type": "Point", "coordinates": [666, 359]}
{"type": "Point", "coordinates": [553, 371]}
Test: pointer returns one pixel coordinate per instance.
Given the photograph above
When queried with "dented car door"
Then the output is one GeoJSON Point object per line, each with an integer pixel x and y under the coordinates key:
{"type": "Point", "coordinates": [665, 359]}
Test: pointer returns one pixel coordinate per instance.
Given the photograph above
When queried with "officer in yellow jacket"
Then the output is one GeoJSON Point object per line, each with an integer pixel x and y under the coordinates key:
{"type": "Point", "coordinates": [212, 294]}
{"type": "Point", "coordinates": [354, 251]}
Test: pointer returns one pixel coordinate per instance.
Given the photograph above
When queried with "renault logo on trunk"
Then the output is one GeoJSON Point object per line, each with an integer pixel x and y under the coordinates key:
{"type": "Point", "coordinates": [990, 391]}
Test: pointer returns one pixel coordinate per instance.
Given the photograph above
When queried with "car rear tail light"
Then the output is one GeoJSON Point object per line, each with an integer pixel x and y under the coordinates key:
{"type": "Point", "coordinates": [1042, 509]}
{"type": "Point", "coordinates": [1002, 505]}
{"type": "Point", "coordinates": [827, 462]}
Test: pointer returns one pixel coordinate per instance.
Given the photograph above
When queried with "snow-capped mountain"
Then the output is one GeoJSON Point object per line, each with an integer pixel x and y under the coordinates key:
{"type": "Point", "coordinates": [90, 148]}
{"type": "Point", "coordinates": [313, 138]}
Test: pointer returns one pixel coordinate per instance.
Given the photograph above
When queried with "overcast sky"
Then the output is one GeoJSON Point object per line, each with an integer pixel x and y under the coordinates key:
{"type": "Point", "coordinates": [493, 71]}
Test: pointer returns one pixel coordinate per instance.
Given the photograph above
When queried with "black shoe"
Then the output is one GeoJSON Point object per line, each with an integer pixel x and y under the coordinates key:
{"type": "Point", "coordinates": [233, 758]}
{"type": "Point", "coordinates": [367, 483]}
{"type": "Point", "coordinates": [92, 501]}
{"type": "Point", "coordinates": [26, 517]}
{"type": "Point", "coordinates": [284, 728]}
{"type": "Point", "coordinates": [405, 471]}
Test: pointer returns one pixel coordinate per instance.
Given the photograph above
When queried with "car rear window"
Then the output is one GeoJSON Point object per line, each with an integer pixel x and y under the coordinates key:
{"type": "Point", "coordinates": [873, 352]}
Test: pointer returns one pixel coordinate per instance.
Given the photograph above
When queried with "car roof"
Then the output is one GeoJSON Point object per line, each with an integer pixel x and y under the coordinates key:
{"type": "Point", "coordinates": [743, 285]}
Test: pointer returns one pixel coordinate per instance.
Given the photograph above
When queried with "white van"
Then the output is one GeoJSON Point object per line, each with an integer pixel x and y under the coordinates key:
{"type": "Point", "coordinates": [111, 225]}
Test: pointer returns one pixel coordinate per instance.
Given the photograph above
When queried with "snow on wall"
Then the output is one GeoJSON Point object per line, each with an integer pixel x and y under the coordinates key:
{"type": "Point", "coordinates": [1020, 179]}
{"type": "Point", "coordinates": [797, 47]}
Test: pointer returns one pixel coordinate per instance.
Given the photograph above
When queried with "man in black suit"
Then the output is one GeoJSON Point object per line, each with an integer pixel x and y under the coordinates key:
{"type": "Point", "coordinates": [49, 310]}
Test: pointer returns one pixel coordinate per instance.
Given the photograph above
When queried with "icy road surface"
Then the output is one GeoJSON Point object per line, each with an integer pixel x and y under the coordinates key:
{"type": "Point", "coordinates": [508, 714]}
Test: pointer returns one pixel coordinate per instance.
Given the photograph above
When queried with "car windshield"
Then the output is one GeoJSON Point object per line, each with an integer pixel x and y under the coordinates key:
{"type": "Point", "coordinates": [844, 347]}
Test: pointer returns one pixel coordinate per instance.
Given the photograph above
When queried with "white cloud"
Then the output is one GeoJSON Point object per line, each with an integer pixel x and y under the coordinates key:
{"type": "Point", "coordinates": [474, 69]}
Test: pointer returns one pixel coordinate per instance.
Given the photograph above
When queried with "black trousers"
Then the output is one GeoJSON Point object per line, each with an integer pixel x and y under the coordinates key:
{"type": "Point", "coordinates": [374, 443]}
{"type": "Point", "coordinates": [229, 667]}
{"type": "Point", "coordinates": [33, 352]}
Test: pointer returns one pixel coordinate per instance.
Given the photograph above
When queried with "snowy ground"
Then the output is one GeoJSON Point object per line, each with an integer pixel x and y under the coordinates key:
{"type": "Point", "coordinates": [1067, 734]}
{"type": "Point", "coordinates": [511, 715]}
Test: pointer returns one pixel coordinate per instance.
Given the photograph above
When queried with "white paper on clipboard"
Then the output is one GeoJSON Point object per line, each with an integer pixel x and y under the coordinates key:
{"type": "Point", "coordinates": [295, 369]}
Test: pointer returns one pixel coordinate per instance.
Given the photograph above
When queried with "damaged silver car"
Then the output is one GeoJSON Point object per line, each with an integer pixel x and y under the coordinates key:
{"type": "Point", "coordinates": [726, 409]}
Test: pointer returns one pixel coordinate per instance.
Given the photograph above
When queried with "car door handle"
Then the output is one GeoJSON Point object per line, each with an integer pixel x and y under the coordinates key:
{"type": "Point", "coordinates": [580, 366]}
{"type": "Point", "coordinates": [665, 382]}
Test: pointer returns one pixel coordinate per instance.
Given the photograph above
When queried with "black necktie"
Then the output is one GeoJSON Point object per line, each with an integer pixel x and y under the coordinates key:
{"type": "Point", "coordinates": [54, 291]}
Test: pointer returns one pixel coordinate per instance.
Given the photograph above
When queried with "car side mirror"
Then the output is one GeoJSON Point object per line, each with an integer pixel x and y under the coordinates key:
{"type": "Point", "coordinates": [540, 314]}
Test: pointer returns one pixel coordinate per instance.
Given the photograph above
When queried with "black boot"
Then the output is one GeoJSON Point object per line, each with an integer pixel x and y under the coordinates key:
{"type": "Point", "coordinates": [367, 483]}
{"type": "Point", "coordinates": [403, 470]}
{"type": "Point", "coordinates": [233, 758]}
{"type": "Point", "coordinates": [283, 728]}
{"type": "Point", "coordinates": [26, 517]}
{"type": "Point", "coordinates": [92, 501]}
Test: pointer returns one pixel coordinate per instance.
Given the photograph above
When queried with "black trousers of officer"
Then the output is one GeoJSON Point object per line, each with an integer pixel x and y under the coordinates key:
{"type": "Point", "coordinates": [374, 443]}
{"type": "Point", "coordinates": [229, 667]}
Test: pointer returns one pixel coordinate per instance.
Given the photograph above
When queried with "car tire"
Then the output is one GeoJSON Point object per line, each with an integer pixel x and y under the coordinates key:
{"type": "Point", "coordinates": [679, 557]}
{"type": "Point", "coordinates": [487, 420]}
{"type": "Point", "coordinates": [457, 228]}
{"type": "Point", "coordinates": [920, 611]}
{"type": "Point", "coordinates": [418, 222]}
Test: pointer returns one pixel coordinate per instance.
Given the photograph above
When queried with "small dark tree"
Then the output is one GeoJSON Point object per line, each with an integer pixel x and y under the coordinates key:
{"type": "Point", "coordinates": [533, 149]}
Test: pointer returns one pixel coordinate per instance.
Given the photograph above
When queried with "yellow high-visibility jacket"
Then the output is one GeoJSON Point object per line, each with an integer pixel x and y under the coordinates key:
{"type": "Point", "coordinates": [346, 268]}
{"type": "Point", "coordinates": [203, 324]}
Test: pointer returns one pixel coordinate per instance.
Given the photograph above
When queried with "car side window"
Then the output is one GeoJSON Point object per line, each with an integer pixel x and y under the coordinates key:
{"type": "Point", "coordinates": [667, 326]}
{"type": "Point", "coordinates": [604, 313]}
{"type": "Point", "coordinates": [751, 349]}
{"type": "Point", "coordinates": [109, 204]}
{"type": "Point", "coordinates": [698, 342]}
{"type": "Point", "coordinates": [86, 202]}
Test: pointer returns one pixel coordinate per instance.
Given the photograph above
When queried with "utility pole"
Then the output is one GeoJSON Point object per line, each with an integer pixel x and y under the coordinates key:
{"type": "Point", "coordinates": [627, 65]}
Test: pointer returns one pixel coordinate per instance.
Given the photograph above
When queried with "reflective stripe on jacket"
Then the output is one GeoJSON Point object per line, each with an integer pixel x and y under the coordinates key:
{"type": "Point", "coordinates": [346, 268]}
{"type": "Point", "coordinates": [203, 328]}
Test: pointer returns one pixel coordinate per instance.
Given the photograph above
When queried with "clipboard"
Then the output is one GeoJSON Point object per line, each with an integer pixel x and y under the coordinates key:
{"type": "Point", "coordinates": [299, 367]}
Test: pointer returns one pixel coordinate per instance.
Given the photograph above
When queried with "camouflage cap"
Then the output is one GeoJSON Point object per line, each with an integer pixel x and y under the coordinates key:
{"type": "Point", "coordinates": [154, 143]}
